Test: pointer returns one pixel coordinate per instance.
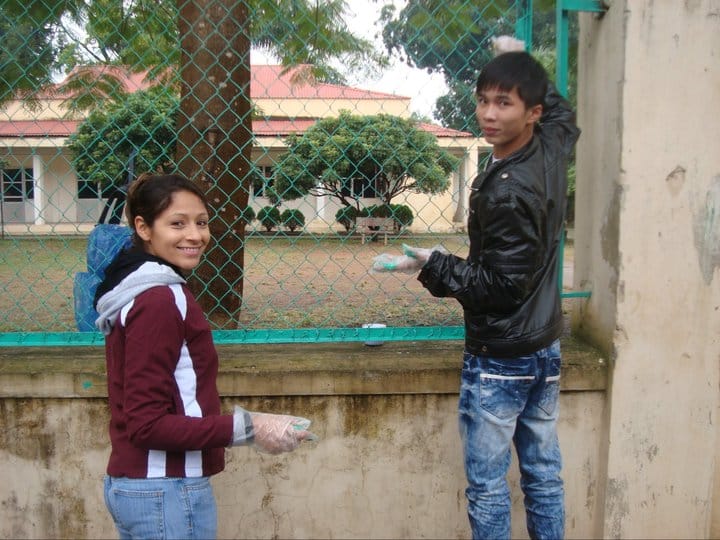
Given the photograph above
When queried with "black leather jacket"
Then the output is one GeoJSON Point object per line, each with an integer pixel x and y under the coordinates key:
{"type": "Point", "coordinates": [508, 285]}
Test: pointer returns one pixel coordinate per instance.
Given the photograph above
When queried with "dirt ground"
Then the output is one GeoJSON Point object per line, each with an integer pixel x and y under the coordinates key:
{"type": "Point", "coordinates": [325, 285]}
{"type": "Point", "coordinates": [290, 282]}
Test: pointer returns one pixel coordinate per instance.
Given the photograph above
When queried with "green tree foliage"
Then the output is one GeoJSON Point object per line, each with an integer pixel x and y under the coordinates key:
{"type": "Point", "coordinates": [25, 55]}
{"type": "Point", "coordinates": [388, 152]}
{"type": "Point", "coordinates": [143, 122]}
{"type": "Point", "coordinates": [60, 35]}
{"type": "Point", "coordinates": [45, 37]}
{"type": "Point", "coordinates": [312, 33]}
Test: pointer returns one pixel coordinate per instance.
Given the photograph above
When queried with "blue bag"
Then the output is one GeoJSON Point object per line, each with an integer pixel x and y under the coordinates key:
{"type": "Point", "coordinates": [104, 243]}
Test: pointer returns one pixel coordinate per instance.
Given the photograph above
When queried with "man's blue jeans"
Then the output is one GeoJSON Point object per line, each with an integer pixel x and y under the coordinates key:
{"type": "Point", "coordinates": [162, 508]}
{"type": "Point", "coordinates": [504, 400]}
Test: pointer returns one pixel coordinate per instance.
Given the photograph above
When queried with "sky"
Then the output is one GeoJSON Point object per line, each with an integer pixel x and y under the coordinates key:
{"type": "Point", "coordinates": [399, 78]}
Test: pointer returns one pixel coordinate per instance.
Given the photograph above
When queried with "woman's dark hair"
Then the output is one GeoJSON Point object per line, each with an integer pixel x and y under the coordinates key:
{"type": "Point", "coordinates": [515, 70]}
{"type": "Point", "coordinates": [151, 194]}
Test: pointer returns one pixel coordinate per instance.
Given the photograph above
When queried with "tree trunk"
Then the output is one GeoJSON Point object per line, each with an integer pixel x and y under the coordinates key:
{"type": "Point", "coordinates": [215, 141]}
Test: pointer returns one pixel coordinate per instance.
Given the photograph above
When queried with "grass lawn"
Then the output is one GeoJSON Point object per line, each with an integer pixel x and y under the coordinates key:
{"type": "Point", "coordinates": [290, 282]}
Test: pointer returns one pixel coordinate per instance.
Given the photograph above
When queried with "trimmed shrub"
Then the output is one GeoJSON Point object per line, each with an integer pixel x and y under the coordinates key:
{"type": "Point", "coordinates": [376, 210]}
{"type": "Point", "coordinates": [382, 210]}
{"type": "Point", "coordinates": [248, 215]}
{"type": "Point", "coordinates": [292, 219]}
{"type": "Point", "coordinates": [346, 217]}
{"type": "Point", "coordinates": [403, 215]}
{"type": "Point", "coordinates": [269, 217]}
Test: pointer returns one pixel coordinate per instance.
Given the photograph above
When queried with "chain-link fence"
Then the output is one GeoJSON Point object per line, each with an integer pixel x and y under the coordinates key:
{"type": "Point", "coordinates": [324, 134]}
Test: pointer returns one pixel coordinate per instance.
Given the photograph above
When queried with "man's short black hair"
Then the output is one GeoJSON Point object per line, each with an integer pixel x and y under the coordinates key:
{"type": "Point", "coordinates": [515, 70]}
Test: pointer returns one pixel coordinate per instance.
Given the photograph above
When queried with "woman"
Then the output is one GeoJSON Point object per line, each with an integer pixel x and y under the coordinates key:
{"type": "Point", "coordinates": [167, 434]}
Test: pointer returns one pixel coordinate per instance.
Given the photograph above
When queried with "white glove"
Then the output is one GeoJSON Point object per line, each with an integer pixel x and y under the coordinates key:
{"type": "Point", "coordinates": [505, 44]}
{"type": "Point", "coordinates": [278, 433]}
{"type": "Point", "coordinates": [412, 260]}
{"type": "Point", "coordinates": [271, 433]}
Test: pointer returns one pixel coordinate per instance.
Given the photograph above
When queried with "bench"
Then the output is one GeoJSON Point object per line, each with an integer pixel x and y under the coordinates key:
{"type": "Point", "coordinates": [371, 227]}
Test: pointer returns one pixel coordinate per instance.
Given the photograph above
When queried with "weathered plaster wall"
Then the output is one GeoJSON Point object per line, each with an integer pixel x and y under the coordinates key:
{"type": "Point", "coordinates": [599, 190]}
{"type": "Point", "coordinates": [648, 244]}
{"type": "Point", "coordinates": [388, 463]}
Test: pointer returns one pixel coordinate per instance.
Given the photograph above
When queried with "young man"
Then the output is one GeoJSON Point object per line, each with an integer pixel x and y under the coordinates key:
{"type": "Point", "coordinates": [508, 287]}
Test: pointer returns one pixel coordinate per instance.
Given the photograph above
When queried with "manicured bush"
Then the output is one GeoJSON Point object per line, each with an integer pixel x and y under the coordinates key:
{"type": "Point", "coordinates": [292, 219]}
{"type": "Point", "coordinates": [376, 210]}
{"type": "Point", "coordinates": [269, 217]}
{"type": "Point", "coordinates": [403, 215]}
{"type": "Point", "coordinates": [381, 211]}
{"type": "Point", "coordinates": [248, 215]}
{"type": "Point", "coordinates": [346, 217]}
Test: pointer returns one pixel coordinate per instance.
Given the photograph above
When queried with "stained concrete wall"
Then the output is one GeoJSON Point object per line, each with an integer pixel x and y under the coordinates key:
{"type": "Point", "coordinates": [388, 463]}
{"type": "Point", "coordinates": [647, 243]}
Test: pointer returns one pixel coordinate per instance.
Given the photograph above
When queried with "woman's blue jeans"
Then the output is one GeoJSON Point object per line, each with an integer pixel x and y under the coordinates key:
{"type": "Point", "coordinates": [504, 400]}
{"type": "Point", "coordinates": [160, 508]}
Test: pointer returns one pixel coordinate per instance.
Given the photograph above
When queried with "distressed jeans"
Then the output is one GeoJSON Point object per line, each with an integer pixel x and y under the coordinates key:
{"type": "Point", "coordinates": [162, 508]}
{"type": "Point", "coordinates": [512, 400]}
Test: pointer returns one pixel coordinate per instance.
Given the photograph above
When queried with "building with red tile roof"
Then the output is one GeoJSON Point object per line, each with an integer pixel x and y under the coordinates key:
{"type": "Point", "coordinates": [41, 192]}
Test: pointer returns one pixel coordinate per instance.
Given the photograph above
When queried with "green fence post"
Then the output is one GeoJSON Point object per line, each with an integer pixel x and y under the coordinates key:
{"type": "Point", "coordinates": [523, 24]}
{"type": "Point", "coordinates": [562, 38]}
{"type": "Point", "coordinates": [562, 9]}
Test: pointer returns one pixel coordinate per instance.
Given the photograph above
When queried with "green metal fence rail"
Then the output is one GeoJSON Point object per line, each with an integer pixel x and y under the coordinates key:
{"type": "Point", "coordinates": [279, 111]}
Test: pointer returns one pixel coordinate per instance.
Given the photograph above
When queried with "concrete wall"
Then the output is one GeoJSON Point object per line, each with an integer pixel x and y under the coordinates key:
{"type": "Point", "coordinates": [647, 243]}
{"type": "Point", "coordinates": [388, 463]}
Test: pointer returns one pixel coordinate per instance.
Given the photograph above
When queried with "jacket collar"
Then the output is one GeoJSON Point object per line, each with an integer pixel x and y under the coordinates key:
{"type": "Point", "coordinates": [518, 156]}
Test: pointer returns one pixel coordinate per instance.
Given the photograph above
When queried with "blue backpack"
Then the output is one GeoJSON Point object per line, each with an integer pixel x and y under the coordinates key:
{"type": "Point", "coordinates": [104, 243]}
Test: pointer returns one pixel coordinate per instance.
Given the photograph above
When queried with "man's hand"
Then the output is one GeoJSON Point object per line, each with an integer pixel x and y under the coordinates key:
{"type": "Point", "coordinates": [412, 260]}
{"type": "Point", "coordinates": [505, 44]}
{"type": "Point", "coordinates": [420, 254]}
{"type": "Point", "coordinates": [396, 263]}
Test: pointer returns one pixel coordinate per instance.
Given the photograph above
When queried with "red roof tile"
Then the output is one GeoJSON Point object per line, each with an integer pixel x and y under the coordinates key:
{"type": "Point", "coordinates": [131, 82]}
{"type": "Point", "coordinates": [262, 128]}
{"type": "Point", "coordinates": [277, 127]}
{"type": "Point", "coordinates": [297, 83]}
{"type": "Point", "coordinates": [269, 82]}
{"type": "Point", "coordinates": [38, 128]}
{"type": "Point", "coordinates": [440, 131]}
{"type": "Point", "coordinates": [65, 128]}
